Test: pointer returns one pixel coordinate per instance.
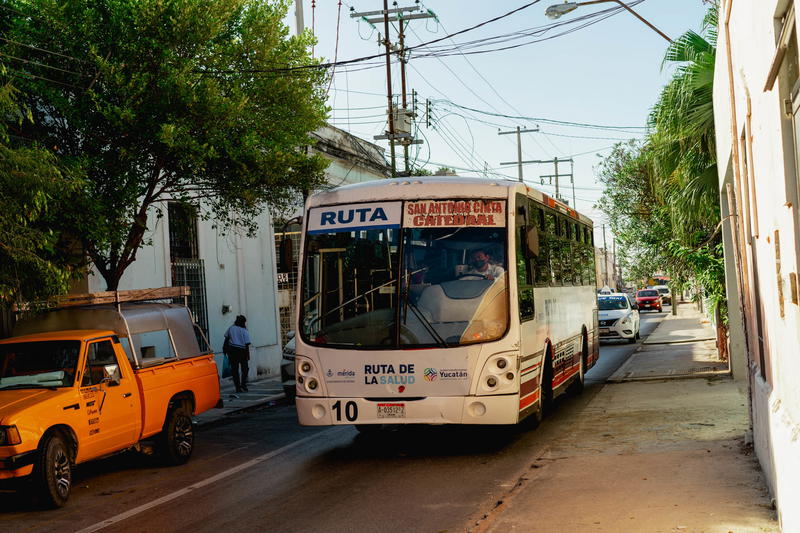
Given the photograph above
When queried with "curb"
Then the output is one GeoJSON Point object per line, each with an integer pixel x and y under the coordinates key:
{"type": "Point", "coordinates": [257, 403]}
{"type": "Point", "coordinates": [669, 377]}
{"type": "Point", "coordinates": [653, 343]}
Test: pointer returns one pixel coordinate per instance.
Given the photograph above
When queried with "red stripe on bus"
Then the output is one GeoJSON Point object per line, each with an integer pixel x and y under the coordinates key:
{"type": "Point", "coordinates": [529, 369]}
{"type": "Point", "coordinates": [572, 371]}
{"type": "Point", "coordinates": [525, 402]}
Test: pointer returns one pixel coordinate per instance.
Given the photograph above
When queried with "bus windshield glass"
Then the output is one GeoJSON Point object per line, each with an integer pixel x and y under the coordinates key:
{"type": "Point", "coordinates": [407, 286]}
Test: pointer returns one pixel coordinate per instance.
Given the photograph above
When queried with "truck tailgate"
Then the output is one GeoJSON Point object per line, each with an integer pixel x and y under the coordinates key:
{"type": "Point", "coordinates": [160, 383]}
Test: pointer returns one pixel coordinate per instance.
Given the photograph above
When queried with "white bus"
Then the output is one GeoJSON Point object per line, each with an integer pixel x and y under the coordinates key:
{"type": "Point", "coordinates": [441, 301]}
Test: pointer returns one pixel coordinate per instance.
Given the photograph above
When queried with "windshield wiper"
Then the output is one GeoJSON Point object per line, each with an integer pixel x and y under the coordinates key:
{"type": "Point", "coordinates": [425, 322]}
{"type": "Point", "coordinates": [29, 386]}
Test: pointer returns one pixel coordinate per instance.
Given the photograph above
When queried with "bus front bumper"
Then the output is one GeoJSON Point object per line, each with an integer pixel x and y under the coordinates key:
{"type": "Point", "coordinates": [431, 410]}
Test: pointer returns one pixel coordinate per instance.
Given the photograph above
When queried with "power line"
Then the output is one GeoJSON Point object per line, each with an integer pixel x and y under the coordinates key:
{"type": "Point", "coordinates": [543, 120]}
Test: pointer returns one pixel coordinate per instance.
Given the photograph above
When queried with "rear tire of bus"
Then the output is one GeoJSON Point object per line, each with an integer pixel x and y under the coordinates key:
{"type": "Point", "coordinates": [578, 383]}
{"type": "Point", "coordinates": [547, 386]}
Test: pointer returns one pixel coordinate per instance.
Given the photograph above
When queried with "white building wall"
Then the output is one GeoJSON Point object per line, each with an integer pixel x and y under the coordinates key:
{"type": "Point", "coordinates": [239, 273]}
{"type": "Point", "coordinates": [775, 406]}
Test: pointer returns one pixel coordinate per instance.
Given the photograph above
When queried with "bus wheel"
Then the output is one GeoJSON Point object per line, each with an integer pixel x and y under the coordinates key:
{"type": "Point", "coordinates": [576, 387]}
{"type": "Point", "coordinates": [547, 386]}
{"type": "Point", "coordinates": [368, 428]}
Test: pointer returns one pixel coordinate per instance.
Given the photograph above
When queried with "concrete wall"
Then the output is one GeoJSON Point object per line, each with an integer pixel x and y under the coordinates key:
{"type": "Point", "coordinates": [239, 272]}
{"type": "Point", "coordinates": [764, 231]}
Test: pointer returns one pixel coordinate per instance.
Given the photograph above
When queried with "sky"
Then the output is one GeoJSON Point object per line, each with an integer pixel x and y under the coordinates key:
{"type": "Point", "coordinates": [606, 74]}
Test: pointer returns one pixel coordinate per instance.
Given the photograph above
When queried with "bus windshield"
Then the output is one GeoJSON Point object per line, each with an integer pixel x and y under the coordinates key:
{"type": "Point", "coordinates": [405, 287]}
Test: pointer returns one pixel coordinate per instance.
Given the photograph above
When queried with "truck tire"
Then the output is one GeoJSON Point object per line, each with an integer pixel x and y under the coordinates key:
{"type": "Point", "coordinates": [176, 441]}
{"type": "Point", "coordinates": [52, 472]}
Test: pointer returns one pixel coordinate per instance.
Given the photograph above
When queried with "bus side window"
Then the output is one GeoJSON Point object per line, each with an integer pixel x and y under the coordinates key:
{"type": "Point", "coordinates": [525, 258]}
{"type": "Point", "coordinates": [547, 265]}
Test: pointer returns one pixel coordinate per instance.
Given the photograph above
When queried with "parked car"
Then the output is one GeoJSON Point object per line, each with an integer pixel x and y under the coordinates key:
{"type": "Point", "coordinates": [617, 317]}
{"type": "Point", "coordinates": [287, 368]}
{"type": "Point", "coordinates": [666, 295]}
{"type": "Point", "coordinates": [84, 382]}
{"type": "Point", "coordinates": [649, 299]}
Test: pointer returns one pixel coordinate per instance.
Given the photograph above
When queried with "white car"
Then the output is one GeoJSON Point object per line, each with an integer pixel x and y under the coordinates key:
{"type": "Point", "coordinates": [666, 295]}
{"type": "Point", "coordinates": [617, 317]}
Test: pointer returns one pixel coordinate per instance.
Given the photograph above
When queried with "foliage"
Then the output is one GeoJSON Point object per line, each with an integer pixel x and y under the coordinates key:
{"type": "Point", "coordinates": [35, 250]}
{"type": "Point", "coordinates": [167, 99]}
{"type": "Point", "coordinates": [661, 195]}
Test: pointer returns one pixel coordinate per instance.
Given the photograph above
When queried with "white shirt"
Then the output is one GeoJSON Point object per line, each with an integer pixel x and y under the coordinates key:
{"type": "Point", "coordinates": [238, 336]}
{"type": "Point", "coordinates": [493, 271]}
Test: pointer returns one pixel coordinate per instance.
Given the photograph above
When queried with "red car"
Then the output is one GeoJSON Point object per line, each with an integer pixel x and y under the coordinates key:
{"type": "Point", "coordinates": [648, 299]}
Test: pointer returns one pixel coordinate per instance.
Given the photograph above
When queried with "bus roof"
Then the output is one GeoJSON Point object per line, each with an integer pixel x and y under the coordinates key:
{"type": "Point", "coordinates": [418, 187]}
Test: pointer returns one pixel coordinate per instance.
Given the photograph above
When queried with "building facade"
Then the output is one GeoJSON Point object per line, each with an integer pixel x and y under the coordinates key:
{"type": "Point", "coordinates": [757, 116]}
{"type": "Point", "coordinates": [231, 273]}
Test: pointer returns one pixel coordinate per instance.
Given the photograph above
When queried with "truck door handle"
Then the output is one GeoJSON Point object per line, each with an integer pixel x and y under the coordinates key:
{"type": "Point", "coordinates": [127, 395]}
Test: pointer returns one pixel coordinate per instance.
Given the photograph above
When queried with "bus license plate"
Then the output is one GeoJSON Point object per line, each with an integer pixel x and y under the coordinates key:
{"type": "Point", "coordinates": [391, 410]}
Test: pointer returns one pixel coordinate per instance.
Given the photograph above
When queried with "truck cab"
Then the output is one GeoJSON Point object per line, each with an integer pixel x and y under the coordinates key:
{"type": "Point", "coordinates": [70, 393]}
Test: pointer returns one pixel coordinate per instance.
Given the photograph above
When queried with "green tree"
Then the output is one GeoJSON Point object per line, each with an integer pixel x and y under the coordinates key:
{"type": "Point", "coordinates": [168, 99]}
{"type": "Point", "coordinates": [39, 258]}
{"type": "Point", "coordinates": [661, 195]}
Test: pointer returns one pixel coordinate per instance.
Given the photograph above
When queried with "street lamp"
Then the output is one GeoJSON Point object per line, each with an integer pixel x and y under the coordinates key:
{"type": "Point", "coordinates": [556, 10]}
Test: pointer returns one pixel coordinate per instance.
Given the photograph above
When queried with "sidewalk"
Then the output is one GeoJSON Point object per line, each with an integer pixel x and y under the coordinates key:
{"type": "Point", "coordinates": [653, 451]}
{"type": "Point", "coordinates": [683, 345]}
{"type": "Point", "coordinates": [262, 391]}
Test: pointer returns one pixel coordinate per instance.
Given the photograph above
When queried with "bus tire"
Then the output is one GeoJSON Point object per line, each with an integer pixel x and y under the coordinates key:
{"type": "Point", "coordinates": [176, 441]}
{"type": "Point", "coordinates": [547, 398]}
{"type": "Point", "coordinates": [579, 381]}
{"type": "Point", "coordinates": [52, 474]}
{"type": "Point", "coordinates": [367, 429]}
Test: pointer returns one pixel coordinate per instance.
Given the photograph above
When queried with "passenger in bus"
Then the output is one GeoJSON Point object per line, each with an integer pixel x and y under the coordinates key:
{"type": "Point", "coordinates": [480, 264]}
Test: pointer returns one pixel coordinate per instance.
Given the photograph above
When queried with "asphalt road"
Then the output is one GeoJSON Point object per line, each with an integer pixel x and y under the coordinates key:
{"type": "Point", "coordinates": [262, 471]}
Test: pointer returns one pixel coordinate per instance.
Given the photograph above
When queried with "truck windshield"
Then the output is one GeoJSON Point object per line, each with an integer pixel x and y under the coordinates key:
{"type": "Point", "coordinates": [409, 287]}
{"type": "Point", "coordinates": [38, 364]}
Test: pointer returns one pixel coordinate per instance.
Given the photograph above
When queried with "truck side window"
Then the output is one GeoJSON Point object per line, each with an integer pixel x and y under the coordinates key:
{"type": "Point", "coordinates": [101, 364]}
{"type": "Point", "coordinates": [154, 346]}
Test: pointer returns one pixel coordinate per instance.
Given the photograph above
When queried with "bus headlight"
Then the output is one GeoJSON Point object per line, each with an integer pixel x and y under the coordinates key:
{"type": "Point", "coordinates": [308, 378]}
{"type": "Point", "coordinates": [497, 376]}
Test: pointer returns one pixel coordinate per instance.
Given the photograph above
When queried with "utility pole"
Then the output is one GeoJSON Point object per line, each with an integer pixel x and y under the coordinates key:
{"type": "Point", "coordinates": [556, 161]}
{"type": "Point", "coordinates": [519, 160]}
{"type": "Point", "coordinates": [614, 262]}
{"type": "Point", "coordinates": [396, 132]}
{"type": "Point", "coordinates": [298, 16]}
{"type": "Point", "coordinates": [605, 259]}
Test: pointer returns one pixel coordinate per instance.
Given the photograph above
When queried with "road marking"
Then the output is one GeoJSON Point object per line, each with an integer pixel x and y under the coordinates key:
{"type": "Point", "coordinates": [208, 481]}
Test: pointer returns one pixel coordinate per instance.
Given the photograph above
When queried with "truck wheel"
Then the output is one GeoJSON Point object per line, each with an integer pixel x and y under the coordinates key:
{"type": "Point", "coordinates": [176, 441]}
{"type": "Point", "coordinates": [52, 474]}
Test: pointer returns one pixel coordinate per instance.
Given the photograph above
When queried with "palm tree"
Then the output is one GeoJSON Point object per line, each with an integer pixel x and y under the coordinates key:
{"type": "Point", "coordinates": [681, 145]}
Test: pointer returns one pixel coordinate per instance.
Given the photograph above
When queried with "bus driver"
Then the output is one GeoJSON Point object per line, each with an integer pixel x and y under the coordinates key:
{"type": "Point", "coordinates": [480, 264]}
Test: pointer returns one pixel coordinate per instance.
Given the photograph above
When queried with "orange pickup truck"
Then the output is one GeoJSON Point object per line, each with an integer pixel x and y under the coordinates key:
{"type": "Point", "coordinates": [84, 382]}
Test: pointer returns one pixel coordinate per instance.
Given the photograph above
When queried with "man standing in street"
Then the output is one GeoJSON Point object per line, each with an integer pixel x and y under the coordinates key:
{"type": "Point", "coordinates": [237, 340]}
